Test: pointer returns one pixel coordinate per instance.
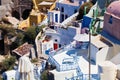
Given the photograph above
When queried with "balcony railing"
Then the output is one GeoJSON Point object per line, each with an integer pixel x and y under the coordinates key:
{"type": "Point", "coordinates": [84, 77]}
{"type": "Point", "coordinates": [67, 65]}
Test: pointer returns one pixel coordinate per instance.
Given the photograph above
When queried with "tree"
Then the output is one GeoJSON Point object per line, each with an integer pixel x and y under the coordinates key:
{"type": "Point", "coordinates": [88, 6]}
{"type": "Point", "coordinates": [30, 34]}
{"type": "Point", "coordinates": [44, 75]}
{"type": "Point", "coordinates": [7, 32]}
{"type": "Point", "coordinates": [18, 41]}
{"type": "Point", "coordinates": [8, 63]}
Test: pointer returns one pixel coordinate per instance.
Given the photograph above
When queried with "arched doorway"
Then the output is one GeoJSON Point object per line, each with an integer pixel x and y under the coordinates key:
{"type": "Point", "coordinates": [26, 13]}
{"type": "Point", "coordinates": [2, 46]}
{"type": "Point", "coordinates": [16, 14]}
{"type": "Point", "coordinates": [0, 2]}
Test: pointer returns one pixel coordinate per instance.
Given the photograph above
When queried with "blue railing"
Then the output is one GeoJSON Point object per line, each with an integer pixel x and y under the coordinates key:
{"type": "Point", "coordinates": [81, 76]}
{"type": "Point", "coordinates": [64, 66]}
{"type": "Point", "coordinates": [54, 62]}
{"type": "Point", "coordinates": [75, 78]}
{"type": "Point", "coordinates": [85, 77]}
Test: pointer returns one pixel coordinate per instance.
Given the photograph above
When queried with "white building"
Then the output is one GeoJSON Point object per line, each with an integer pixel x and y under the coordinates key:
{"type": "Point", "coordinates": [58, 37]}
{"type": "Point", "coordinates": [64, 9]}
{"type": "Point", "coordinates": [54, 17]}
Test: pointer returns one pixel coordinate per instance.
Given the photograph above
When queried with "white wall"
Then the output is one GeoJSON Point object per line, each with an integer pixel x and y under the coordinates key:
{"type": "Point", "coordinates": [54, 36]}
{"type": "Point", "coordinates": [93, 51]}
{"type": "Point", "coordinates": [66, 35]}
{"type": "Point", "coordinates": [46, 46]}
{"type": "Point", "coordinates": [101, 55]}
{"type": "Point", "coordinates": [49, 44]}
{"type": "Point", "coordinates": [105, 53]}
{"type": "Point", "coordinates": [116, 59]}
{"type": "Point", "coordinates": [52, 17]}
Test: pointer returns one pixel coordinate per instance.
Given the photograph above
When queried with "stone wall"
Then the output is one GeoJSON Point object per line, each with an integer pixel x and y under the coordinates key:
{"type": "Point", "coordinates": [5, 10]}
{"type": "Point", "coordinates": [4, 2]}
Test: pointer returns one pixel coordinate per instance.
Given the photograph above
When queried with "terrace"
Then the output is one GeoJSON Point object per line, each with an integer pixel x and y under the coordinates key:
{"type": "Point", "coordinates": [66, 58]}
{"type": "Point", "coordinates": [75, 60]}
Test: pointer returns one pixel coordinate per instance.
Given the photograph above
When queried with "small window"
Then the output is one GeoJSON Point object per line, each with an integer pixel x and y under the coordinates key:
{"type": "Point", "coordinates": [66, 16]}
{"type": "Point", "coordinates": [75, 10]}
{"type": "Point", "coordinates": [56, 17]}
{"type": "Point", "coordinates": [62, 17]}
{"type": "Point", "coordinates": [111, 20]}
{"type": "Point", "coordinates": [56, 40]}
{"type": "Point", "coordinates": [0, 2]}
{"type": "Point", "coordinates": [60, 45]}
{"type": "Point", "coordinates": [62, 9]}
{"type": "Point", "coordinates": [57, 9]}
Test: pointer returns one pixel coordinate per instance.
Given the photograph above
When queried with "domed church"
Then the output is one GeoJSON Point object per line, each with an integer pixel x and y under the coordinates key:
{"type": "Point", "coordinates": [112, 20]}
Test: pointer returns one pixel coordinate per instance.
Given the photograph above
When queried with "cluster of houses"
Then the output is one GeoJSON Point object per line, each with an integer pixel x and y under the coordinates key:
{"type": "Point", "coordinates": [71, 54]}
{"type": "Point", "coordinates": [78, 49]}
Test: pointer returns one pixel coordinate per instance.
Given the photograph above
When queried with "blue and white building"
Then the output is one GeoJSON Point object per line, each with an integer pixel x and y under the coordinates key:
{"type": "Point", "coordinates": [68, 8]}
{"type": "Point", "coordinates": [64, 9]}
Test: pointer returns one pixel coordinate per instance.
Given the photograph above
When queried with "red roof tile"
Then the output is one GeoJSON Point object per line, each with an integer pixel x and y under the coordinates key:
{"type": "Point", "coordinates": [23, 49]}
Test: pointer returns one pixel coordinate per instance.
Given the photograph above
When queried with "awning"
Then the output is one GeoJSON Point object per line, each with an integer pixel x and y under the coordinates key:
{"type": "Point", "coordinates": [45, 3]}
{"type": "Point", "coordinates": [81, 37]}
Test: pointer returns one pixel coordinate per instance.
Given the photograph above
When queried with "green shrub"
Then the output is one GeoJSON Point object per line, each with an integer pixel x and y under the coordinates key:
{"type": "Point", "coordinates": [34, 60]}
{"type": "Point", "coordinates": [88, 6]}
{"type": "Point", "coordinates": [30, 34]}
{"type": "Point", "coordinates": [40, 28]}
{"type": "Point", "coordinates": [44, 75]}
{"type": "Point", "coordinates": [8, 63]}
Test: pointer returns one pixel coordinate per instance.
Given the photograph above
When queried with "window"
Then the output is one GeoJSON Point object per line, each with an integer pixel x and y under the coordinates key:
{"type": "Point", "coordinates": [66, 16]}
{"type": "Point", "coordinates": [57, 9]}
{"type": "Point", "coordinates": [75, 11]}
{"type": "Point", "coordinates": [56, 17]}
{"type": "Point", "coordinates": [62, 9]}
{"type": "Point", "coordinates": [0, 2]}
{"type": "Point", "coordinates": [56, 40]}
{"type": "Point", "coordinates": [111, 20]}
{"type": "Point", "coordinates": [62, 17]}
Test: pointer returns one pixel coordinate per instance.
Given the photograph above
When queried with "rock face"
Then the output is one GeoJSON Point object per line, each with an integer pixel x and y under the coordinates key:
{"type": "Point", "coordinates": [3, 2]}
{"type": "Point", "coordinates": [5, 8]}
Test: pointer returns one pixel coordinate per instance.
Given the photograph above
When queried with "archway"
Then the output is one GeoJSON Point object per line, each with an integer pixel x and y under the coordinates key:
{"type": "Point", "coordinates": [16, 14]}
{"type": "Point", "coordinates": [26, 13]}
{"type": "Point", "coordinates": [1, 46]}
{"type": "Point", "coordinates": [0, 2]}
